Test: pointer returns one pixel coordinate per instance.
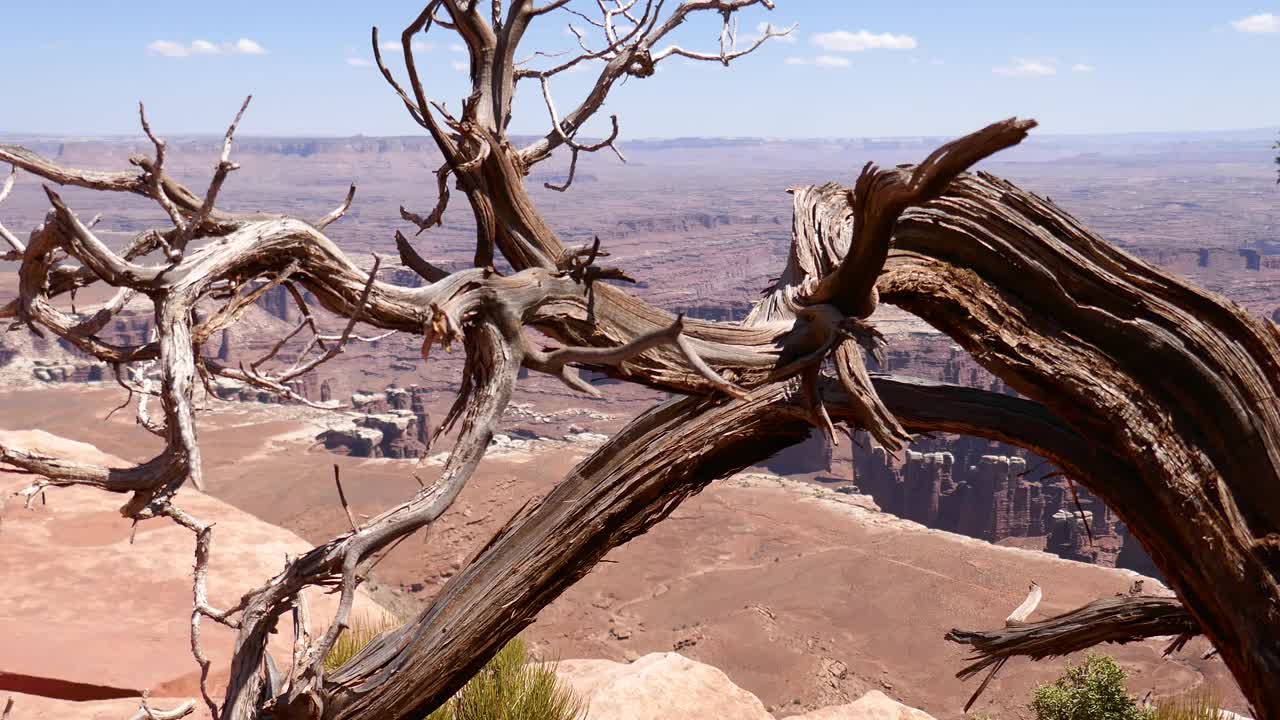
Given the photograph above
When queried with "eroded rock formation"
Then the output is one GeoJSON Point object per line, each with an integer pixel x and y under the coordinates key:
{"type": "Point", "coordinates": [980, 488]}
{"type": "Point", "coordinates": [392, 424]}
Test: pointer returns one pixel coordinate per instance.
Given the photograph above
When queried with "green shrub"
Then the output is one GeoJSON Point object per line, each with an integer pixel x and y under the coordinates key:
{"type": "Point", "coordinates": [1093, 690]}
{"type": "Point", "coordinates": [1196, 705]}
{"type": "Point", "coordinates": [509, 687]}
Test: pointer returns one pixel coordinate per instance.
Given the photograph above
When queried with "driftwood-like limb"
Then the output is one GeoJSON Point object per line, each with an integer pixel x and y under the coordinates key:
{"type": "Point", "coordinates": [442, 203]}
{"type": "Point", "coordinates": [415, 262]}
{"type": "Point", "coordinates": [342, 498]}
{"type": "Point", "coordinates": [220, 172]}
{"type": "Point", "coordinates": [1110, 620]}
{"type": "Point", "coordinates": [1016, 619]}
{"type": "Point", "coordinates": [1133, 358]}
{"type": "Point", "coordinates": [1022, 612]}
{"type": "Point", "coordinates": [16, 246]}
{"type": "Point", "coordinates": [628, 485]}
{"type": "Point", "coordinates": [95, 254]}
{"type": "Point", "coordinates": [155, 175]}
{"type": "Point", "coordinates": [559, 305]}
{"type": "Point", "coordinates": [337, 213]}
{"type": "Point", "coordinates": [146, 712]}
{"type": "Point", "coordinates": [869, 410]}
{"type": "Point", "coordinates": [880, 197]}
{"type": "Point", "coordinates": [555, 362]}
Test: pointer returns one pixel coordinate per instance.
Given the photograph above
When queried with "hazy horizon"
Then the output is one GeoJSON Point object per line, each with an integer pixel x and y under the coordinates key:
{"type": "Point", "coordinates": [1038, 134]}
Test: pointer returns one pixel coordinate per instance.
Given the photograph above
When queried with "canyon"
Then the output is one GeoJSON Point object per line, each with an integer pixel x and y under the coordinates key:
{"type": "Point", "coordinates": [793, 578]}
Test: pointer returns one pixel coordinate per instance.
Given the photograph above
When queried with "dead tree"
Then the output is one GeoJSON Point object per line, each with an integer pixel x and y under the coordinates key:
{"type": "Point", "coordinates": [1159, 396]}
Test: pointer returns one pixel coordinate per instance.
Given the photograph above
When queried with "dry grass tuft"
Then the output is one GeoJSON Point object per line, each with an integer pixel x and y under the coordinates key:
{"type": "Point", "coordinates": [509, 687]}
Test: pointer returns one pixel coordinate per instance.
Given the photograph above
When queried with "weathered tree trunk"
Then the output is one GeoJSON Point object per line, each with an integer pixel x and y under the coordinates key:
{"type": "Point", "coordinates": [1177, 383]}
{"type": "Point", "coordinates": [1158, 396]}
{"type": "Point", "coordinates": [627, 486]}
{"type": "Point", "coordinates": [1109, 620]}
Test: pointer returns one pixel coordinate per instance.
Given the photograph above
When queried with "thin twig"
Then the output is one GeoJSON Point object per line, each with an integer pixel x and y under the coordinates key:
{"type": "Point", "coordinates": [342, 497]}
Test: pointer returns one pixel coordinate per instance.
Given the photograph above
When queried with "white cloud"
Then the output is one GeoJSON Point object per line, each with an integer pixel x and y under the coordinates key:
{"type": "Point", "coordinates": [1021, 67]}
{"type": "Point", "coordinates": [845, 41]}
{"type": "Point", "coordinates": [168, 48]}
{"type": "Point", "coordinates": [203, 47]}
{"type": "Point", "coordinates": [1263, 23]}
{"type": "Point", "coordinates": [359, 62]}
{"type": "Point", "coordinates": [245, 46]}
{"type": "Point", "coordinates": [461, 66]}
{"type": "Point", "coordinates": [765, 27]}
{"type": "Point", "coordinates": [1081, 68]}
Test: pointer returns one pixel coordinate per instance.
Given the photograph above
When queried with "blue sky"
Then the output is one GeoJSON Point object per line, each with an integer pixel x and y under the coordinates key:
{"type": "Point", "coordinates": [875, 68]}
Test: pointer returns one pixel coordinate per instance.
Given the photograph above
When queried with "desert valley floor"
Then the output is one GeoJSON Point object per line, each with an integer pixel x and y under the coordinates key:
{"type": "Point", "coordinates": [804, 596]}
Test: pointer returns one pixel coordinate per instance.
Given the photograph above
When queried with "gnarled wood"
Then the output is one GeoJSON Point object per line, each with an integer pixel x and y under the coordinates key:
{"type": "Point", "coordinates": [1109, 620]}
{"type": "Point", "coordinates": [1158, 396]}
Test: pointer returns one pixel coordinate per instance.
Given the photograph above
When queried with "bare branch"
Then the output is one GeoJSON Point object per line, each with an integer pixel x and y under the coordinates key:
{"type": "Point", "coordinates": [239, 305]}
{"type": "Point", "coordinates": [155, 175]}
{"type": "Point", "coordinates": [728, 47]}
{"type": "Point", "coordinates": [304, 368]}
{"type": "Point", "coordinates": [416, 262]}
{"type": "Point", "coordinates": [573, 145]}
{"type": "Point", "coordinates": [93, 179]}
{"type": "Point", "coordinates": [573, 169]}
{"type": "Point", "coordinates": [442, 202]}
{"type": "Point", "coordinates": [880, 197]}
{"type": "Point", "coordinates": [220, 172]}
{"type": "Point", "coordinates": [556, 362]}
{"type": "Point", "coordinates": [336, 214]}
{"type": "Point", "coordinates": [146, 712]}
{"type": "Point", "coordinates": [342, 496]}
{"type": "Point", "coordinates": [95, 254]}
{"type": "Point", "coordinates": [200, 596]}
{"type": "Point", "coordinates": [1022, 612]}
{"type": "Point", "coordinates": [1120, 620]}
{"type": "Point", "coordinates": [553, 5]}
{"type": "Point", "coordinates": [418, 113]}
{"type": "Point", "coordinates": [5, 234]}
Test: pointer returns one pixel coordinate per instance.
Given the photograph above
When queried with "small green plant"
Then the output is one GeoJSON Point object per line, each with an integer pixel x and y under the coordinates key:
{"type": "Point", "coordinates": [1092, 690]}
{"type": "Point", "coordinates": [508, 687]}
{"type": "Point", "coordinates": [1196, 705]}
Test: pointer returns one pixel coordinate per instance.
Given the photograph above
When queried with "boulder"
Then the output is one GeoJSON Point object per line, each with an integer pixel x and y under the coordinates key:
{"type": "Point", "coordinates": [658, 686]}
{"type": "Point", "coordinates": [875, 705]}
{"type": "Point", "coordinates": [669, 686]}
